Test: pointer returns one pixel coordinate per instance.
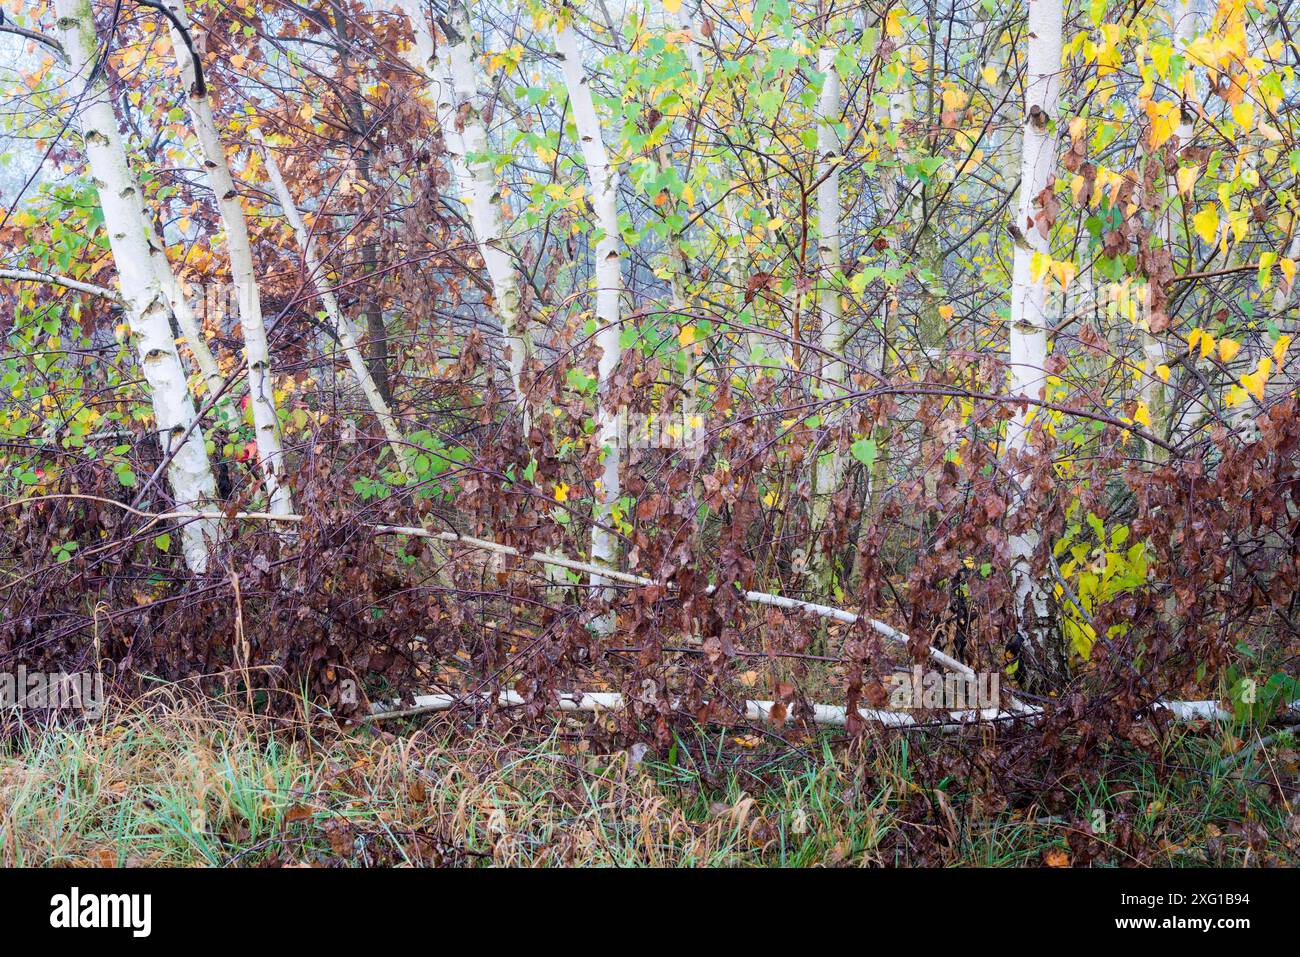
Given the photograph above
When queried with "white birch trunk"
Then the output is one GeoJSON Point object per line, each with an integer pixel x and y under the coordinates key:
{"type": "Point", "coordinates": [343, 327]}
{"type": "Point", "coordinates": [829, 465]}
{"type": "Point", "coordinates": [1029, 321]}
{"type": "Point", "coordinates": [188, 323]}
{"type": "Point", "coordinates": [454, 81]}
{"type": "Point", "coordinates": [603, 179]}
{"type": "Point", "coordinates": [261, 394]}
{"type": "Point", "coordinates": [189, 472]}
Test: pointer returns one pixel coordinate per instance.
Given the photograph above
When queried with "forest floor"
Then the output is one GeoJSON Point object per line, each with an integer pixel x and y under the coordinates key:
{"type": "Point", "coordinates": [172, 780]}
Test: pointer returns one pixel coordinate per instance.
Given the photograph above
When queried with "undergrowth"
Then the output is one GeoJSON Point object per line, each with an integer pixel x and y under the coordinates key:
{"type": "Point", "coordinates": [176, 780]}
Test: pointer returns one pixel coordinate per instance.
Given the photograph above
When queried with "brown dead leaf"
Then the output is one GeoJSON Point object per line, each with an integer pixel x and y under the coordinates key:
{"type": "Point", "coordinates": [1056, 858]}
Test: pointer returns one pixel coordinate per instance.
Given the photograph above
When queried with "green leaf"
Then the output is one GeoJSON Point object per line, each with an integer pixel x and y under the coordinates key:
{"type": "Point", "coordinates": [163, 541]}
{"type": "Point", "coordinates": [864, 450]}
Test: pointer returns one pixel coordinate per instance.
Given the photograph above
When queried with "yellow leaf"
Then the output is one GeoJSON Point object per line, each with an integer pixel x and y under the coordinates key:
{"type": "Point", "coordinates": [672, 6]}
{"type": "Point", "coordinates": [1254, 381]}
{"type": "Point", "coordinates": [1039, 266]}
{"type": "Point", "coordinates": [1207, 344]}
{"type": "Point", "coordinates": [1064, 272]}
{"type": "Point", "coordinates": [946, 312]}
{"type": "Point", "coordinates": [1244, 115]}
{"type": "Point", "coordinates": [687, 335]}
{"type": "Point", "coordinates": [1160, 53]}
{"type": "Point", "coordinates": [237, 61]}
{"type": "Point", "coordinates": [561, 492]}
{"type": "Point", "coordinates": [1206, 223]}
{"type": "Point", "coordinates": [1288, 270]}
{"type": "Point", "coordinates": [1265, 272]}
{"type": "Point", "coordinates": [1228, 349]}
{"type": "Point", "coordinates": [1279, 349]}
{"type": "Point", "coordinates": [989, 75]}
{"type": "Point", "coordinates": [1240, 225]}
{"type": "Point", "coordinates": [1163, 371]}
{"type": "Point", "coordinates": [954, 99]}
{"type": "Point", "coordinates": [1192, 339]}
{"type": "Point", "coordinates": [1164, 121]}
{"type": "Point", "coordinates": [1142, 415]}
{"type": "Point", "coordinates": [1186, 177]}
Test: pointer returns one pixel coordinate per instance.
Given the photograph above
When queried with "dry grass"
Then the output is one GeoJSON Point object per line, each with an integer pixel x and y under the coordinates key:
{"type": "Point", "coordinates": [176, 781]}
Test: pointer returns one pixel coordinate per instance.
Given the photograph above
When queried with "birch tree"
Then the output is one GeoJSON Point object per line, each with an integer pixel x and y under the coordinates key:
{"type": "Point", "coordinates": [189, 471]}
{"type": "Point", "coordinates": [603, 179]}
{"type": "Point", "coordinates": [1031, 228]}
{"type": "Point", "coordinates": [832, 342]}
{"type": "Point", "coordinates": [261, 387]}
{"type": "Point", "coordinates": [188, 323]}
{"type": "Point", "coordinates": [454, 85]}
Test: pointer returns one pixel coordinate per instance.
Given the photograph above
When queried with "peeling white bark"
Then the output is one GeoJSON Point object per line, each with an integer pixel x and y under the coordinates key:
{"type": "Point", "coordinates": [1029, 321]}
{"type": "Point", "coordinates": [190, 472]}
{"type": "Point", "coordinates": [261, 387]}
{"type": "Point", "coordinates": [603, 180]}
{"type": "Point", "coordinates": [342, 323]}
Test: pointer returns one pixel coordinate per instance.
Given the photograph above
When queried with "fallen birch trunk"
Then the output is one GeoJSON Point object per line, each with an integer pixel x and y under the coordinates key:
{"type": "Point", "coordinates": [826, 715]}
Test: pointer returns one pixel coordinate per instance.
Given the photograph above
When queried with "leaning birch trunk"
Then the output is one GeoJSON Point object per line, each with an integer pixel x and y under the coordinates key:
{"type": "Point", "coordinates": [829, 464]}
{"type": "Point", "coordinates": [1028, 333]}
{"type": "Point", "coordinates": [261, 395]}
{"type": "Point", "coordinates": [604, 200]}
{"type": "Point", "coordinates": [460, 115]}
{"type": "Point", "coordinates": [188, 323]}
{"type": "Point", "coordinates": [189, 471]}
{"type": "Point", "coordinates": [342, 324]}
